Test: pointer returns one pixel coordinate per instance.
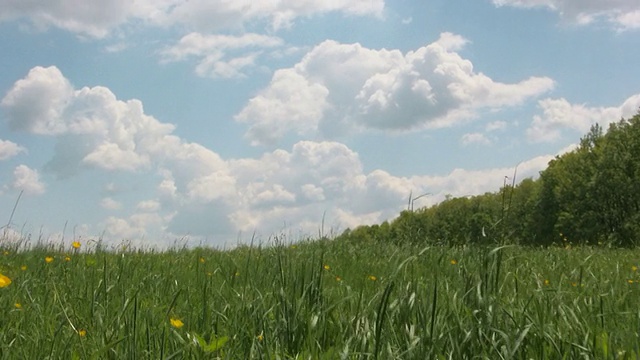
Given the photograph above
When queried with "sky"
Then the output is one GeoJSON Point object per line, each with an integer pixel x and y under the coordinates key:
{"type": "Point", "coordinates": [156, 122]}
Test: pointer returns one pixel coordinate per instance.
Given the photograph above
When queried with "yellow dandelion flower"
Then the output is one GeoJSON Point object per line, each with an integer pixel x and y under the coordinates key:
{"type": "Point", "coordinates": [453, 262]}
{"type": "Point", "coordinates": [202, 260]}
{"type": "Point", "coordinates": [547, 282]}
{"type": "Point", "coordinates": [260, 337]}
{"type": "Point", "coordinates": [338, 278]}
{"type": "Point", "coordinates": [634, 268]}
{"type": "Point", "coordinates": [48, 259]}
{"type": "Point", "coordinates": [4, 281]}
{"type": "Point", "coordinates": [18, 305]}
{"type": "Point", "coordinates": [76, 244]}
{"type": "Point", "coordinates": [67, 258]}
{"type": "Point", "coordinates": [23, 267]}
{"type": "Point", "coordinates": [326, 267]}
{"type": "Point", "coordinates": [176, 323]}
{"type": "Point", "coordinates": [82, 332]}
{"type": "Point", "coordinates": [630, 281]}
{"type": "Point", "coordinates": [372, 278]}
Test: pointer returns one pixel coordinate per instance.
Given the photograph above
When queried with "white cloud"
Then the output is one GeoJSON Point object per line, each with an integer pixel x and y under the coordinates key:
{"type": "Point", "coordinates": [135, 227]}
{"type": "Point", "coordinates": [221, 56]}
{"type": "Point", "coordinates": [338, 87]}
{"type": "Point", "coordinates": [148, 206]}
{"type": "Point", "coordinates": [496, 125]}
{"type": "Point", "coordinates": [92, 18]}
{"type": "Point", "coordinates": [110, 204]}
{"type": "Point", "coordinates": [200, 194]}
{"type": "Point", "coordinates": [290, 103]}
{"type": "Point", "coordinates": [475, 138]}
{"type": "Point", "coordinates": [36, 103]}
{"type": "Point", "coordinates": [94, 128]}
{"type": "Point", "coordinates": [461, 182]}
{"type": "Point", "coordinates": [99, 19]}
{"type": "Point", "coordinates": [559, 114]}
{"type": "Point", "coordinates": [407, 21]}
{"type": "Point", "coordinates": [27, 180]}
{"type": "Point", "coordinates": [9, 149]}
{"type": "Point", "coordinates": [207, 15]}
{"type": "Point", "coordinates": [629, 20]}
{"type": "Point", "coordinates": [624, 14]}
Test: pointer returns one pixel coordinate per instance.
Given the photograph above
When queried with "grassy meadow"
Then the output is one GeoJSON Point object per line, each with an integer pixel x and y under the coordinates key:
{"type": "Point", "coordinates": [319, 300]}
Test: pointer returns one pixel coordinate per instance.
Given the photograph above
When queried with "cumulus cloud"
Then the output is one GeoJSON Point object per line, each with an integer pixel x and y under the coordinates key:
{"type": "Point", "coordinates": [98, 19]}
{"type": "Point", "coordinates": [200, 194]}
{"type": "Point", "coordinates": [93, 127]}
{"type": "Point", "coordinates": [9, 149]}
{"type": "Point", "coordinates": [27, 180]}
{"type": "Point", "coordinates": [623, 14]}
{"type": "Point", "coordinates": [339, 87]}
{"type": "Point", "coordinates": [560, 114]}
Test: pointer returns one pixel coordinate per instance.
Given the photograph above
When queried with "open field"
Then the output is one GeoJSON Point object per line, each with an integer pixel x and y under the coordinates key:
{"type": "Point", "coordinates": [320, 300]}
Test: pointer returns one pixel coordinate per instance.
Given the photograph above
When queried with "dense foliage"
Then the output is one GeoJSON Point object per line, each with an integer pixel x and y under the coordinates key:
{"type": "Point", "coordinates": [590, 195]}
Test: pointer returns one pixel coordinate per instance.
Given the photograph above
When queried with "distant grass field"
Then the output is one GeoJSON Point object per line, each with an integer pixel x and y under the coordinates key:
{"type": "Point", "coordinates": [320, 300]}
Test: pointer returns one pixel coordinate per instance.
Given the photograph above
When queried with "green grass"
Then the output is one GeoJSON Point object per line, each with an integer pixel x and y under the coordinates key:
{"type": "Point", "coordinates": [321, 300]}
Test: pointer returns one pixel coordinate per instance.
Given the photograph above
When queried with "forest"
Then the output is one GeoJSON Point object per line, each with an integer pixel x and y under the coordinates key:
{"type": "Point", "coordinates": [588, 196]}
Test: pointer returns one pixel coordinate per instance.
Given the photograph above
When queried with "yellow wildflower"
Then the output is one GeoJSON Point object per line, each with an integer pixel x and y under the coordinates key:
{"type": "Point", "coordinates": [372, 278]}
{"type": "Point", "coordinates": [76, 244]}
{"type": "Point", "coordinates": [67, 258]}
{"type": "Point", "coordinates": [453, 262]}
{"type": "Point", "coordinates": [18, 305]}
{"type": "Point", "coordinates": [326, 267]}
{"type": "Point", "coordinates": [48, 259]}
{"type": "Point", "coordinates": [82, 332]}
{"type": "Point", "coordinates": [260, 337]}
{"type": "Point", "coordinates": [23, 267]}
{"type": "Point", "coordinates": [634, 268]}
{"type": "Point", "coordinates": [630, 281]}
{"type": "Point", "coordinates": [338, 278]}
{"type": "Point", "coordinates": [4, 281]}
{"type": "Point", "coordinates": [547, 282]}
{"type": "Point", "coordinates": [176, 323]}
{"type": "Point", "coordinates": [202, 260]}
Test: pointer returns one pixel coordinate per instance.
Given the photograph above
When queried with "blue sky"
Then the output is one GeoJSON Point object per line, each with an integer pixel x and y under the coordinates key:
{"type": "Point", "coordinates": [211, 121]}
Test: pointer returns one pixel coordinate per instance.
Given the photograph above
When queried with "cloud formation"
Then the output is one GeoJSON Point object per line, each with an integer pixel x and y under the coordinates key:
{"type": "Point", "coordinates": [341, 87]}
{"type": "Point", "coordinates": [27, 180]}
{"type": "Point", "coordinates": [98, 19]}
{"type": "Point", "coordinates": [221, 56]}
{"type": "Point", "coordinates": [623, 14]}
{"type": "Point", "coordinates": [197, 192]}
{"type": "Point", "coordinates": [560, 114]}
{"type": "Point", "coordinates": [9, 149]}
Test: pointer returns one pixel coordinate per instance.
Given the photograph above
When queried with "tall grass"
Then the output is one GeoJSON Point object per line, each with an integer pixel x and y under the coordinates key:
{"type": "Point", "coordinates": [321, 300]}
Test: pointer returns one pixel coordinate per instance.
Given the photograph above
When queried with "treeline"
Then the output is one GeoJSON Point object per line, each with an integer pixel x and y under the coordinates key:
{"type": "Point", "coordinates": [590, 195]}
